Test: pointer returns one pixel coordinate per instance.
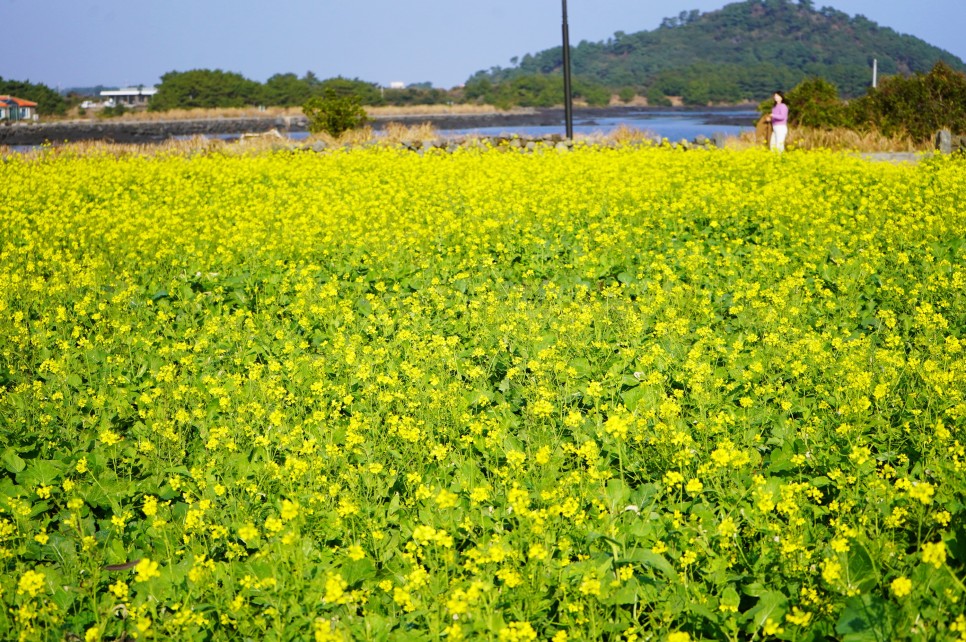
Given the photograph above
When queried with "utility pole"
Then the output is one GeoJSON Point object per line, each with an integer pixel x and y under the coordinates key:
{"type": "Point", "coordinates": [568, 96]}
{"type": "Point", "coordinates": [875, 73]}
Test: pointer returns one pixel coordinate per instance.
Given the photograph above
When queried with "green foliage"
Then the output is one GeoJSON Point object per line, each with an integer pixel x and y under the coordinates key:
{"type": "Point", "coordinates": [111, 112]}
{"type": "Point", "coordinates": [207, 88]}
{"type": "Point", "coordinates": [49, 102]}
{"type": "Point", "coordinates": [627, 94]}
{"type": "Point", "coordinates": [287, 90]}
{"type": "Point", "coordinates": [815, 103]}
{"type": "Point", "coordinates": [591, 92]}
{"type": "Point", "coordinates": [742, 51]}
{"type": "Point", "coordinates": [366, 93]}
{"type": "Point", "coordinates": [420, 94]}
{"type": "Point", "coordinates": [333, 113]}
{"type": "Point", "coordinates": [918, 105]}
{"type": "Point", "coordinates": [657, 98]}
{"type": "Point", "coordinates": [535, 90]}
{"type": "Point", "coordinates": [204, 88]}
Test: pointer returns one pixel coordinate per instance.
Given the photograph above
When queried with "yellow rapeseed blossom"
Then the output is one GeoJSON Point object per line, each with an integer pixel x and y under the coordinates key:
{"type": "Point", "coordinates": [901, 586]}
{"type": "Point", "coordinates": [464, 378]}
{"type": "Point", "coordinates": [934, 553]}
{"type": "Point", "coordinates": [517, 632]}
{"type": "Point", "coordinates": [146, 570]}
{"type": "Point", "coordinates": [30, 583]}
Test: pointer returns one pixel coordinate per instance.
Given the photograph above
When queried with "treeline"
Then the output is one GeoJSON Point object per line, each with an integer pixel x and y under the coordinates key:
{"type": "Point", "coordinates": [534, 91]}
{"type": "Point", "coordinates": [215, 88]}
{"type": "Point", "coordinates": [207, 88]}
{"type": "Point", "coordinates": [49, 102]}
{"type": "Point", "coordinates": [916, 106]}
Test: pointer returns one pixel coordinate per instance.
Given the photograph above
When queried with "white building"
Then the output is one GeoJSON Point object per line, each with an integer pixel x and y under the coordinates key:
{"type": "Point", "coordinates": [130, 96]}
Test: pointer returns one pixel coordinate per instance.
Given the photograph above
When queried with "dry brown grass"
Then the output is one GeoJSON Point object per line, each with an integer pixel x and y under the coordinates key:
{"type": "Point", "coordinates": [399, 132]}
{"type": "Point", "coordinates": [396, 133]}
{"type": "Point", "coordinates": [836, 140]}
{"type": "Point", "coordinates": [621, 135]}
{"type": "Point", "coordinates": [392, 133]}
{"type": "Point", "coordinates": [850, 140]}
{"type": "Point", "coordinates": [350, 138]}
{"type": "Point", "coordinates": [183, 147]}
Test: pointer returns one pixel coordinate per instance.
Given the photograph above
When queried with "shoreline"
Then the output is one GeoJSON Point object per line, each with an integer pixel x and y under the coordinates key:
{"type": "Point", "coordinates": [156, 131]}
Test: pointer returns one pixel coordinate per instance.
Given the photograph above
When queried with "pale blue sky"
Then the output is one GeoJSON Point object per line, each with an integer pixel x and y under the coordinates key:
{"type": "Point", "coordinates": [68, 43]}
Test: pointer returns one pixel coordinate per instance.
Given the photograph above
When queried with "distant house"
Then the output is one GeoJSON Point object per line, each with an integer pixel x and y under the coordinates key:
{"type": "Point", "coordinates": [13, 109]}
{"type": "Point", "coordinates": [129, 96]}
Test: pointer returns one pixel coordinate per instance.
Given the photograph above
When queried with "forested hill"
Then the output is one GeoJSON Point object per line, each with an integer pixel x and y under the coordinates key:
{"type": "Point", "coordinates": [742, 51]}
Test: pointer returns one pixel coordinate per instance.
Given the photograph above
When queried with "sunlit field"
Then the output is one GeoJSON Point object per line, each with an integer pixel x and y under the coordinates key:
{"type": "Point", "coordinates": [608, 394]}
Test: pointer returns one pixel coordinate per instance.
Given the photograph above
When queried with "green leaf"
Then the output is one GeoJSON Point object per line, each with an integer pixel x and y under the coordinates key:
{"type": "Point", "coordinates": [358, 570]}
{"type": "Point", "coordinates": [771, 606]}
{"type": "Point", "coordinates": [654, 560]}
{"type": "Point", "coordinates": [618, 493]}
{"type": "Point", "coordinates": [40, 472]}
{"type": "Point", "coordinates": [632, 398]}
{"type": "Point", "coordinates": [12, 461]}
{"type": "Point", "coordinates": [862, 571]}
{"type": "Point", "coordinates": [730, 597]}
{"type": "Point", "coordinates": [628, 593]}
{"type": "Point", "coordinates": [866, 618]}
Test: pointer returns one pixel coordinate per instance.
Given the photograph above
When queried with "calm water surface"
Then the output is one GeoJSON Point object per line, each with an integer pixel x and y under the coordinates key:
{"type": "Point", "coordinates": [672, 125]}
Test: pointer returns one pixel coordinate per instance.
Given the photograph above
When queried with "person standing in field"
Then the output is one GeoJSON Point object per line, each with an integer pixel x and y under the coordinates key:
{"type": "Point", "coordinates": [779, 123]}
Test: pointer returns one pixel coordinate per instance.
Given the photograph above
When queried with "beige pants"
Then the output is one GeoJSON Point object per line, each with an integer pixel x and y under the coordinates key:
{"type": "Point", "coordinates": [778, 135]}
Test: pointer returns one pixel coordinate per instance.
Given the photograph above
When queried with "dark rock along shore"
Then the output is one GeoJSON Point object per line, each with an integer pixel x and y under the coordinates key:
{"type": "Point", "coordinates": [121, 131]}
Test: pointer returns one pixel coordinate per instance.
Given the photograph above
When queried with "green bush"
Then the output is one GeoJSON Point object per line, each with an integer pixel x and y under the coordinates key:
{"type": "Point", "coordinates": [111, 112]}
{"type": "Point", "coordinates": [815, 103]}
{"type": "Point", "coordinates": [205, 89]}
{"type": "Point", "coordinates": [333, 113]}
{"type": "Point", "coordinates": [49, 102]}
{"type": "Point", "coordinates": [918, 105]}
{"type": "Point", "coordinates": [657, 98]}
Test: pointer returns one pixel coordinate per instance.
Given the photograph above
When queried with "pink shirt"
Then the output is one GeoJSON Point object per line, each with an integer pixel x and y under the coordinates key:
{"type": "Point", "coordinates": [779, 114]}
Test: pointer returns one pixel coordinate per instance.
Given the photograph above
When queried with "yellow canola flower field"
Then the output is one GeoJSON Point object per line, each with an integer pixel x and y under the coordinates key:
{"type": "Point", "coordinates": [611, 394]}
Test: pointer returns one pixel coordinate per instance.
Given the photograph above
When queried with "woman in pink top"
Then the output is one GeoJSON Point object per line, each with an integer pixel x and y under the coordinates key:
{"type": "Point", "coordinates": [779, 123]}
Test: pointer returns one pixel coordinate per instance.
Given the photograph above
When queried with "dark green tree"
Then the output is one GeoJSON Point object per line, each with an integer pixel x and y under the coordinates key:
{"type": "Point", "coordinates": [421, 94]}
{"type": "Point", "coordinates": [366, 93]}
{"type": "Point", "coordinates": [334, 113]}
{"type": "Point", "coordinates": [918, 105]}
{"type": "Point", "coordinates": [49, 102]}
{"type": "Point", "coordinates": [286, 90]}
{"type": "Point", "coordinates": [204, 88]}
{"type": "Point", "coordinates": [815, 103]}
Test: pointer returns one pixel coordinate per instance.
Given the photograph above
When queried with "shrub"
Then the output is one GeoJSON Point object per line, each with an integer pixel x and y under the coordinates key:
{"type": "Point", "coordinates": [918, 105]}
{"type": "Point", "coordinates": [627, 94]}
{"type": "Point", "coordinates": [657, 98]}
{"type": "Point", "coordinates": [334, 114]}
{"type": "Point", "coordinates": [815, 103]}
{"type": "Point", "coordinates": [112, 111]}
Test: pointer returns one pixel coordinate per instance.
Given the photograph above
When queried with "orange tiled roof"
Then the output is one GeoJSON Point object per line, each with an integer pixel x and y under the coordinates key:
{"type": "Point", "coordinates": [20, 102]}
